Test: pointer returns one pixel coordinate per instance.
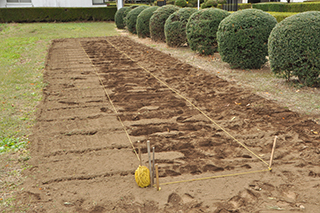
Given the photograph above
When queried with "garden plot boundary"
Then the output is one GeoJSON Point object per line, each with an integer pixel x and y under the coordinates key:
{"type": "Point", "coordinates": [82, 161]}
{"type": "Point", "coordinates": [187, 100]}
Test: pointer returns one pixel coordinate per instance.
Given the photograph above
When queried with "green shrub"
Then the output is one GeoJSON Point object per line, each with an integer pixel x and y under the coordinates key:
{"type": "Point", "coordinates": [281, 16]}
{"type": "Point", "coordinates": [119, 17]}
{"type": "Point", "coordinates": [158, 20]}
{"type": "Point", "coordinates": [222, 2]}
{"type": "Point", "coordinates": [202, 28]}
{"type": "Point", "coordinates": [241, 6]}
{"type": "Point", "coordinates": [294, 47]}
{"type": "Point", "coordinates": [303, 7]}
{"type": "Point", "coordinates": [125, 13]}
{"type": "Point", "coordinates": [243, 38]}
{"type": "Point", "coordinates": [190, 4]}
{"type": "Point", "coordinates": [285, 7]}
{"type": "Point", "coordinates": [272, 6]}
{"type": "Point", "coordinates": [175, 27]}
{"type": "Point", "coordinates": [131, 19]}
{"type": "Point", "coordinates": [58, 14]}
{"type": "Point", "coordinates": [194, 3]}
{"type": "Point", "coordinates": [180, 3]}
{"type": "Point", "coordinates": [168, 2]}
{"type": "Point", "coordinates": [143, 19]}
{"type": "Point", "coordinates": [133, 5]}
{"type": "Point", "coordinates": [244, 6]}
{"type": "Point", "coordinates": [209, 3]}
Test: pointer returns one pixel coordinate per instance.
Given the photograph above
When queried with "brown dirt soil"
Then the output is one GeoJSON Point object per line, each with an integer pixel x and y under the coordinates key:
{"type": "Point", "coordinates": [83, 161]}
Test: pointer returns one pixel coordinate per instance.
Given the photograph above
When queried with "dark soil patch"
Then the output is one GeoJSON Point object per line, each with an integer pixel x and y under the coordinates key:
{"type": "Point", "coordinates": [83, 162]}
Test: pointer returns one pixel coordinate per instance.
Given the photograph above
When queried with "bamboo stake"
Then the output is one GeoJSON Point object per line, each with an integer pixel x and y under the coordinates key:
{"type": "Point", "coordinates": [272, 152]}
{"type": "Point", "coordinates": [157, 177]}
{"type": "Point", "coordinates": [149, 156]}
{"type": "Point", "coordinates": [152, 177]}
{"type": "Point", "coordinates": [139, 151]}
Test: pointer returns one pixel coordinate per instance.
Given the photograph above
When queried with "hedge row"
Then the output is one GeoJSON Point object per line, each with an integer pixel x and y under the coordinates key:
{"type": "Point", "coordinates": [194, 3]}
{"type": "Point", "coordinates": [49, 14]}
{"type": "Point", "coordinates": [241, 6]}
{"type": "Point", "coordinates": [274, 6]}
{"type": "Point", "coordinates": [244, 38]}
{"type": "Point", "coordinates": [280, 16]}
{"type": "Point", "coordinates": [285, 7]}
{"type": "Point", "coordinates": [244, 6]}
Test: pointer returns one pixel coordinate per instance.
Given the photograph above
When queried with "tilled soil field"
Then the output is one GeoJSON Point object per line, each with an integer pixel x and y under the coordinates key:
{"type": "Point", "coordinates": [83, 160]}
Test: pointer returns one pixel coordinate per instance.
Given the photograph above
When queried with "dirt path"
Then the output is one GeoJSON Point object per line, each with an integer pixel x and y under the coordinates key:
{"type": "Point", "coordinates": [83, 161]}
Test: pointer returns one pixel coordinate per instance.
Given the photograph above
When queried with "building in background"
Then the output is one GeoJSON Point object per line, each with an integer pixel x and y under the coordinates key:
{"type": "Point", "coordinates": [53, 3]}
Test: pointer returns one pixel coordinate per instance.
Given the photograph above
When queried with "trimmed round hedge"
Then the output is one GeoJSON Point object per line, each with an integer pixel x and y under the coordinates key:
{"type": "Point", "coordinates": [119, 17]}
{"type": "Point", "coordinates": [181, 3]}
{"type": "Point", "coordinates": [294, 47]}
{"type": "Point", "coordinates": [202, 28]}
{"type": "Point", "coordinates": [209, 3]}
{"type": "Point", "coordinates": [175, 27]}
{"type": "Point", "coordinates": [143, 20]}
{"type": "Point", "coordinates": [158, 20]}
{"type": "Point", "coordinates": [243, 38]}
{"type": "Point", "coordinates": [194, 3]}
{"type": "Point", "coordinates": [131, 19]}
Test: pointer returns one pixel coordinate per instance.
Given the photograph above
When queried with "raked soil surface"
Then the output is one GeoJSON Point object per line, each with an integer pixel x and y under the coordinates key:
{"type": "Point", "coordinates": [83, 160]}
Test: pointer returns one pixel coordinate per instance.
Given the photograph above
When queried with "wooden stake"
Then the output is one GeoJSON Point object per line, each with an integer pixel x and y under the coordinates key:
{"type": "Point", "coordinates": [157, 177]}
{"type": "Point", "coordinates": [149, 156]}
{"type": "Point", "coordinates": [139, 151]}
{"type": "Point", "coordinates": [272, 153]}
{"type": "Point", "coordinates": [152, 177]}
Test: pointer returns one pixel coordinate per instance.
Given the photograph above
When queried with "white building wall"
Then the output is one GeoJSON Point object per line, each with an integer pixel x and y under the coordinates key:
{"type": "Point", "coordinates": [52, 3]}
{"type": "Point", "coordinates": [62, 3]}
{"type": "Point", "coordinates": [2, 3]}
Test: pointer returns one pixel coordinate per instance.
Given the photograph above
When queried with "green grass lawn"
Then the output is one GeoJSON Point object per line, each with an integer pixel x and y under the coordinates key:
{"type": "Point", "coordinates": [23, 50]}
